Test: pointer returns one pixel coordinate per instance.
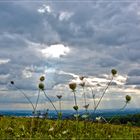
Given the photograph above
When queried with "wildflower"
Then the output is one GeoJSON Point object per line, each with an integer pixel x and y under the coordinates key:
{"type": "Point", "coordinates": [12, 82]}
{"type": "Point", "coordinates": [59, 96]}
{"type": "Point", "coordinates": [72, 86]}
{"type": "Point", "coordinates": [82, 84]}
{"type": "Point", "coordinates": [114, 72]}
{"type": "Point", "coordinates": [51, 129]}
{"type": "Point", "coordinates": [42, 78]}
{"type": "Point", "coordinates": [75, 107]}
{"type": "Point", "coordinates": [128, 98]}
{"type": "Point", "coordinates": [41, 86]}
{"type": "Point", "coordinates": [86, 106]}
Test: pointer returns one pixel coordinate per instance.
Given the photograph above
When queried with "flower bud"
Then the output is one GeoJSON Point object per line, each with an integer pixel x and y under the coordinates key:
{"type": "Point", "coordinates": [72, 86]}
{"type": "Point", "coordinates": [59, 96]}
{"type": "Point", "coordinates": [75, 107]}
{"type": "Point", "coordinates": [82, 84]}
{"type": "Point", "coordinates": [42, 78]}
{"type": "Point", "coordinates": [128, 98]}
{"type": "Point", "coordinates": [41, 86]}
{"type": "Point", "coordinates": [12, 82]}
{"type": "Point", "coordinates": [114, 72]}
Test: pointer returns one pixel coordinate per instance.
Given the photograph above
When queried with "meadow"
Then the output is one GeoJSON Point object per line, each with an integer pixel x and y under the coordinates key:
{"type": "Point", "coordinates": [35, 128]}
{"type": "Point", "coordinates": [79, 127]}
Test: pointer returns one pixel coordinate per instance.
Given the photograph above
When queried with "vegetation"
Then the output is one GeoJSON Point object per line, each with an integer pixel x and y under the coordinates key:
{"type": "Point", "coordinates": [78, 128]}
{"type": "Point", "coordinates": [13, 128]}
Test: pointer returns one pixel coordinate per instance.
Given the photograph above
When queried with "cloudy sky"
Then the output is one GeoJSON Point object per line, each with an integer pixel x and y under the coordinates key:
{"type": "Point", "coordinates": [64, 40]}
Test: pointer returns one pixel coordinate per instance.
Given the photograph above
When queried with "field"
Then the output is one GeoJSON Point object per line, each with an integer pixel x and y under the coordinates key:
{"type": "Point", "coordinates": [13, 128]}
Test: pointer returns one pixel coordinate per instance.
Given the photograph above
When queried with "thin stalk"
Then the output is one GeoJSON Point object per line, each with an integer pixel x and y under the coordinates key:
{"type": "Point", "coordinates": [75, 101]}
{"type": "Point", "coordinates": [93, 95]}
{"type": "Point", "coordinates": [37, 100]}
{"type": "Point", "coordinates": [120, 110]}
{"type": "Point", "coordinates": [85, 99]}
{"type": "Point", "coordinates": [103, 95]}
{"type": "Point", "coordinates": [26, 97]}
{"type": "Point", "coordinates": [50, 101]}
{"type": "Point", "coordinates": [60, 106]}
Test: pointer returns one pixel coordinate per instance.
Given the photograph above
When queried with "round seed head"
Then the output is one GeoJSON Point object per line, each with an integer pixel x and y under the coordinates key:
{"type": "Point", "coordinates": [75, 107]}
{"type": "Point", "coordinates": [114, 72]}
{"type": "Point", "coordinates": [72, 86]}
{"type": "Point", "coordinates": [41, 86]}
{"type": "Point", "coordinates": [128, 98]}
{"type": "Point", "coordinates": [42, 78]}
{"type": "Point", "coordinates": [12, 82]}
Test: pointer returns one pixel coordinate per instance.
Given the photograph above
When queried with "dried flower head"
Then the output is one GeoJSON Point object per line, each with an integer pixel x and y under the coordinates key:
{"type": "Point", "coordinates": [81, 78]}
{"type": "Point", "coordinates": [114, 72]}
{"type": "Point", "coordinates": [72, 86]}
{"type": "Point", "coordinates": [42, 78]}
{"type": "Point", "coordinates": [86, 106]}
{"type": "Point", "coordinates": [12, 82]}
{"type": "Point", "coordinates": [59, 96]}
{"type": "Point", "coordinates": [128, 98]}
{"type": "Point", "coordinates": [75, 107]}
{"type": "Point", "coordinates": [41, 86]}
{"type": "Point", "coordinates": [82, 84]}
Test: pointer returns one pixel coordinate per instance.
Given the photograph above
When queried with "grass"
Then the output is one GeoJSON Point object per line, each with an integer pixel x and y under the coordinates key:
{"type": "Point", "coordinates": [33, 128]}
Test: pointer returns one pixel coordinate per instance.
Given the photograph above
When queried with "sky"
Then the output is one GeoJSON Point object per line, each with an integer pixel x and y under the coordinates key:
{"type": "Point", "coordinates": [63, 40]}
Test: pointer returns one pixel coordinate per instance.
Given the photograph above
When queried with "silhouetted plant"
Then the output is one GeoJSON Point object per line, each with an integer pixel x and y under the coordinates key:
{"type": "Point", "coordinates": [72, 86]}
{"type": "Point", "coordinates": [41, 86]}
{"type": "Point", "coordinates": [60, 110]}
{"type": "Point", "coordinates": [28, 99]}
{"type": "Point", "coordinates": [113, 72]}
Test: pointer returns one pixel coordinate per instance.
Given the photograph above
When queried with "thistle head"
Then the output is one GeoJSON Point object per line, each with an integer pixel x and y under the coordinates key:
{"type": "Point", "coordinates": [59, 96]}
{"type": "Point", "coordinates": [72, 86]}
{"type": "Point", "coordinates": [12, 82]}
{"type": "Point", "coordinates": [128, 98]}
{"type": "Point", "coordinates": [41, 86]}
{"type": "Point", "coordinates": [42, 78]}
{"type": "Point", "coordinates": [114, 72]}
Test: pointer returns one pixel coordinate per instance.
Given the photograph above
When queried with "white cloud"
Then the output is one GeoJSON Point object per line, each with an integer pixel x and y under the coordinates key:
{"type": "Point", "coordinates": [44, 9]}
{"type": "Point", "coordinates": [4, 61]}
{"type": "Point", "coordinates": [65, 15]}
{"type": "Point", "coordinates": [55, 51]}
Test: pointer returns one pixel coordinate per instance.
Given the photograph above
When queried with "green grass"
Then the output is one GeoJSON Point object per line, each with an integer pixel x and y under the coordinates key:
{"type": "Point", "coordinates": [18, 128]}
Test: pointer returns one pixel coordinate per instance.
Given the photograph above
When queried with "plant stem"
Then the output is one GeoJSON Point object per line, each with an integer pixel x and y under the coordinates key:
{"type": "Point", "coordinates": [26, 98]}
{"type": "Point", "coordinates": [37, 100]}
{"type": "Point", "coordinates": [93, 95]}
{"type": "Point", "coordinates": [85, 99]}
{"type": "Point", "coordinates": [60, 105]}
{"type": "Point", "coordinates": [50, 101]}
{"type": "Point", "coordinates": [120, 110]}
{"type": "Point", "coordinates": [75, 102]}
{"type": "Point", "coordinates": [103, 94]}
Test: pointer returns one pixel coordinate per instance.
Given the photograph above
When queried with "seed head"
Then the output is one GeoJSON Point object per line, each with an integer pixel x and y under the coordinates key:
{"type": "Point", "coordinates": [59, 96]}
{"type": "Point", "coordinates": [42, 78]}
{"type": "Point", "coordinates": [12, 82]}
{"type": "Point", "coordinates": [75, 107]}
{"type": "Point", "coordinates": [114, 72]}
{"type": "Point", "coordinates": [72, 86]}
{"type": "Point", "coordinates": [82, 84]}
{"type": "Point", "coordinates": [128, 98]}
{"type": "Point", "coordinates": [41, 86]}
